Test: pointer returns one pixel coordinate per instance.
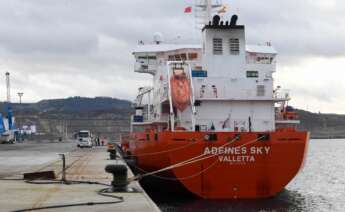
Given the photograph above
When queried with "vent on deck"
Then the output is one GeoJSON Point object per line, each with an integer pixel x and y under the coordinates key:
{"type": "Point", "coordinates": [217, 46]}
{"type": "Point", "coordinates": [234, 44]}
{"type": "Point", "coordinates": [260, 90]}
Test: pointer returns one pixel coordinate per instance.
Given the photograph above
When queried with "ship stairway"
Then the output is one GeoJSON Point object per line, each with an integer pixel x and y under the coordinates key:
{"type": "Point", "coordinates": [142, 91]}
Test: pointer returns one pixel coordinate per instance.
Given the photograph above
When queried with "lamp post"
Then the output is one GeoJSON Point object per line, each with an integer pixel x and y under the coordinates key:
{"type": "Point", "coordinates": [20, 94]}
{"type": "Point", "coordinates": [8, 87]}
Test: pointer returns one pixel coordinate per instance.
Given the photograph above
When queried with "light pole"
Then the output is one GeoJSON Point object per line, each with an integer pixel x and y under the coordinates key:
{"type": "Point", "coordinates": [8, 87]}
{"type": "Point", "coordinates": [20, 94]}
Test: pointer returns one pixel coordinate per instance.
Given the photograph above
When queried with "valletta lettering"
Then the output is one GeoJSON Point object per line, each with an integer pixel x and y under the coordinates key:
{"type": "Point", "coordinates": [237, 154]}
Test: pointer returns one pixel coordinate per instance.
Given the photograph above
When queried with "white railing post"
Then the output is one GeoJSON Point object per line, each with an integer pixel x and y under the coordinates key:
{"type": "Point", "coordinates": [131, 126]}
{"type": "Point", "coordinates": [192, 99]}
{"type": "Point", "coordinates": [149, 106]}
{"type": "Point", "coordinates": [172, 115]}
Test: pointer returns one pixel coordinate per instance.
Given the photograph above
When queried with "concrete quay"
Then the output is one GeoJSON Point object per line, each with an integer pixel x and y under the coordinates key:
{"type": "Point", "coordinates": [82, 165]}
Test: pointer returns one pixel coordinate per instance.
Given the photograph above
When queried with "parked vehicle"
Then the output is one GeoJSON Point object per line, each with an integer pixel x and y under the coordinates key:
{"type": "Point", "coordinates": [8, 137]}
{"type": "Point", "coordinates": [7, 131]}
{"type": "Point", "coordinates": [84, 139]}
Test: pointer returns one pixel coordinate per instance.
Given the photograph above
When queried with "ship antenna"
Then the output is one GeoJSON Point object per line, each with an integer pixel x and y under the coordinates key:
{"type": "Point", "coordinates": [205, 9]}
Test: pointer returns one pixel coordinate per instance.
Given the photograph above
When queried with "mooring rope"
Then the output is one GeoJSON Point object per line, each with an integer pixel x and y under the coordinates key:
{"type": "Point", "coordinates": [191, 160]}
{"type": "Point", "coordinates": [166, 151]}
{"type": "Point", "coordinates": [181, 178]}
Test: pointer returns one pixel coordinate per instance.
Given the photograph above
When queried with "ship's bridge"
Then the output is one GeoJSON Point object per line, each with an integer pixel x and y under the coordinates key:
{"type": "Point", "coordinates": [261, 54]}
{"type": "Point", "coordinates": [260, 59]}
{"type": "Point", "coordinates": [148, 58]}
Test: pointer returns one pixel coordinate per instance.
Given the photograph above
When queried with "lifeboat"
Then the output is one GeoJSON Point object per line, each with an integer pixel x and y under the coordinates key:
{"type": "Point", "coordinates": [180, 89]}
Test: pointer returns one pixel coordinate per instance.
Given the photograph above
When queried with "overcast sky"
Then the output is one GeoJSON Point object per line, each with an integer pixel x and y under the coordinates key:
{"type": "Point", "coordinates": [62, 48]}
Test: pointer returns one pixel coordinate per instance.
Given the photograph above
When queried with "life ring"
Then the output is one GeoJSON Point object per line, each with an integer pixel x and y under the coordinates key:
{"type": "Point", "coordinates": [180, 90]}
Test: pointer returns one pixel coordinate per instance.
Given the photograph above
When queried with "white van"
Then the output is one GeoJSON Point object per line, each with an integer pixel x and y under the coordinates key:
{"type": "Point", "coordinates": [8, 137]}
{"type": "Point", "coordinates": [84, 139]}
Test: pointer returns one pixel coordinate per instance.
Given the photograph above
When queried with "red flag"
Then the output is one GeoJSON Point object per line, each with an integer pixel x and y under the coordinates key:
{"type": "Point", "coordinates": [188, 9]}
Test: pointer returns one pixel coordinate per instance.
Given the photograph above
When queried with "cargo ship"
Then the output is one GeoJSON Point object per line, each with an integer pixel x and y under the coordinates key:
{"type": "Point", "coordinates": [213, 120]}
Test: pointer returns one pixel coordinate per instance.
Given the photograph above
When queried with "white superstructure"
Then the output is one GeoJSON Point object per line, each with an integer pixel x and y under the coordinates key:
{"type": "Point", "coordinates": [232, 83]}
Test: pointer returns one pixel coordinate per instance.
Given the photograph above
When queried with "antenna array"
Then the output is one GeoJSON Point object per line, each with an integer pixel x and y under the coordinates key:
{"type": "Point", "coordinates": [204, 10]}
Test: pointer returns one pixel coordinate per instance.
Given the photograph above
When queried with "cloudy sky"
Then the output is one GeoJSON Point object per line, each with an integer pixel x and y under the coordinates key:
{"type": "Point", "coordinates": [62, 48]}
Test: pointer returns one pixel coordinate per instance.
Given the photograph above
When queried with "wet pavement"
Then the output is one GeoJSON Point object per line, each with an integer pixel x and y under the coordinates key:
{"type": "Point", "coordinates": [16, 159]}
{"type": "Point", "coordinates": [86, 165]}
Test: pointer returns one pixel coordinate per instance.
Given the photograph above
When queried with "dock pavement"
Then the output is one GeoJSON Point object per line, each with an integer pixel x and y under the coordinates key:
{"type": "Point", "coordinates": [82, 165]}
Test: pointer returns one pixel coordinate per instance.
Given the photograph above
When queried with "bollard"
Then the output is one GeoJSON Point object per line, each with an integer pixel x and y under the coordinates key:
{"type": "Point", "coordinates": [63, 158]}
{"type": "Point", "coordinates": [119, 173]}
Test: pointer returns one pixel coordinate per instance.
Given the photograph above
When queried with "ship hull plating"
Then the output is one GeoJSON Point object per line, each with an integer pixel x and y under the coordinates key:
{"type": "Point", "coordinates": [224, 165]}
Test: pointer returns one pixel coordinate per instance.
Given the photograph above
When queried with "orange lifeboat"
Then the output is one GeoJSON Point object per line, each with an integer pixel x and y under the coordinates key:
{"type": "Point", "coordinates": [180, 89]}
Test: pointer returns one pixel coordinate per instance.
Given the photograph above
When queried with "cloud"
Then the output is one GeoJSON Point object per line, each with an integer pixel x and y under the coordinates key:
{"type": "Point", "coordinates": [316, 84]}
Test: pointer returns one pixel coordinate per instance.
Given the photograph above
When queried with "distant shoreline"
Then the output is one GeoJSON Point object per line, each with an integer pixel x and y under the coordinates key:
{"type": "Point", "coordinates": [330, 137]}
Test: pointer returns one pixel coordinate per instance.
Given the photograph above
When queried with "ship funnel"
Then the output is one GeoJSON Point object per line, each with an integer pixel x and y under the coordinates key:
{"type": "Point", "coordinates": [216, 20]}
{"type": "Point", "coordinates": [233, 21]}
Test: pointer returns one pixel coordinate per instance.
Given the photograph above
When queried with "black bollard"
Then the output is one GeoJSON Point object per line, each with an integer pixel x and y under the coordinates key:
{"type": "Point", "coordinates": [119, 173]}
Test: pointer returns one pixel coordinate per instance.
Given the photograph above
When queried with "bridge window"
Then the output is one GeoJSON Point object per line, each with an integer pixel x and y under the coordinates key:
{"type": "Point", "coordinates": [217, 46]}
{"type": "Point", "coordinates": [147, 57]}
{"type": "Point", "coordinates": [178, 57]}
{"type": "Point", "coordinates": [264, 60]}
{"type": "Point", "coordinates": [252, 74]}
{"type": "Point", "coordinates": [183, 57]}
{"type": "Point", "coordinates": [192, 56]}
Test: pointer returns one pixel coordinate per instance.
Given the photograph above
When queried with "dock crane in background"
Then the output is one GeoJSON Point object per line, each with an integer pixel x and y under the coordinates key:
{"type": "Point", "coordinates": [7, 128]}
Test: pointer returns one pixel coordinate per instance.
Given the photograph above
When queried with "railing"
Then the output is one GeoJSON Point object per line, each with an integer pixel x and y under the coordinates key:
{"type": "Point", "coordinates": [163, 91]}
{"type": "Point", "coordinates": [145, 117]}
{"type": "Point", "coordinates": [216, 88]}
{"type": "Point", "coordinates": [145, 68]}
{"type": "Point", "coordinates": [282, 94]}
{"type": "Point", "coordinates": [233, 124]}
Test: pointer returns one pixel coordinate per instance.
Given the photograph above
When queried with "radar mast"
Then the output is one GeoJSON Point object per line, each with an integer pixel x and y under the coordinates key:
{"type": "Point", "coordinates": [205, 9]}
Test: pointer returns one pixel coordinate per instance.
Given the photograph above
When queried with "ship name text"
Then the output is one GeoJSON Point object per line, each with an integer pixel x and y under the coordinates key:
{"type": "Point", "coordinates": [237, 154]}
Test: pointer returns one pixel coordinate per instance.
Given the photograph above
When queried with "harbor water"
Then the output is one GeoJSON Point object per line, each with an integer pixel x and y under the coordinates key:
{"type": "Point", "coordinates": [320, 186]}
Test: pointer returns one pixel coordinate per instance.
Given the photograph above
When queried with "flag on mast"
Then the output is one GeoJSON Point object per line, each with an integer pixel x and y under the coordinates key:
{"type": "Point", "coordinates": [188, 9]}
{"type": "Point", "coordinates": [223, 9]}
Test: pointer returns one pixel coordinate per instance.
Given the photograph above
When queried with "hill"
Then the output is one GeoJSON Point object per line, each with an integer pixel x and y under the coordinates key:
{"type": "Point", "coordinates": [109, 117]}
{"type": "Point", "coordinates": [323, 125]}
{"type": "Point", "coordinates": [104, 116]}
{"type": "Point", "coordinates": [79, 105]}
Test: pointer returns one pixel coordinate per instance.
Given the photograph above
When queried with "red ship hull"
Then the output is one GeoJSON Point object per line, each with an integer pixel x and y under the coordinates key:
{"type": "Point", "coordinates": [227, 166]}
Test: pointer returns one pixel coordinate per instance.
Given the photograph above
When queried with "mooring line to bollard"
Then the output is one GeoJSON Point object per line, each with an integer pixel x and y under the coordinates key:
{"type": "Point", "coordinates": [189, 161]}
{"type": "Point", "coordinates": [166, 151]}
